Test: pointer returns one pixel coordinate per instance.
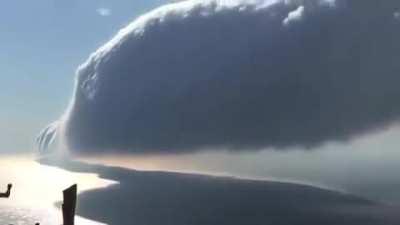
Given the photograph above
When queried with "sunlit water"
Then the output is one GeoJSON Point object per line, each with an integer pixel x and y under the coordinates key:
{"type": "Point", "coordinates": [36, 188]}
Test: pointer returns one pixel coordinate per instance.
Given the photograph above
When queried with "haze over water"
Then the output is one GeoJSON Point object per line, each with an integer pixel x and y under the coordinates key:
{"type": "Point", "coordinates": [369, 173]}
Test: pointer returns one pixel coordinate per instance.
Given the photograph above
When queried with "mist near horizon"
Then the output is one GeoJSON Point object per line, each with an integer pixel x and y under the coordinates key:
{"type": "Point", "coordinates": [366, 167]}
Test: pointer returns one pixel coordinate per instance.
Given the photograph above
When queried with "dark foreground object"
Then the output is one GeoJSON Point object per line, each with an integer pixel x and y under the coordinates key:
{"type": "Point", "coordinates": [162, 198]}
{"type": "Point", "coordinates": [7, 193]}
{"type": "Point", "coordinates": [69, 205]}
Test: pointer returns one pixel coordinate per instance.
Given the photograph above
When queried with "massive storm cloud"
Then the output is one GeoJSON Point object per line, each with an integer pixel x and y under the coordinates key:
{"type": "Point", "coordinates": [239, 75]}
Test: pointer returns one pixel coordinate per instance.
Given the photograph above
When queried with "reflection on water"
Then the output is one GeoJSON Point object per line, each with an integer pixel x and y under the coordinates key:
{"type": "Point", "coordinates": [17, 215]}
{"type": "Point", "coordinates": [23, 216]}
{"type": "Point", "coordinates": [36, 188]}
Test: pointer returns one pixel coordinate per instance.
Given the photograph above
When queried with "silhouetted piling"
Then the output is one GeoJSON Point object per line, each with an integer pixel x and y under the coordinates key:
{"type": "Point", "coordinates": [7, 193]}
{"type": "Point", "coordinates": [69, 205]}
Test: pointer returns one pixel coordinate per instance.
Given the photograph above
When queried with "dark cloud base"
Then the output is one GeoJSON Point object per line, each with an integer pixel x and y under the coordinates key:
{"type": "Point", "coordinates": [154, 198]}
{"type": "Point", "coordinates": [239, 78]}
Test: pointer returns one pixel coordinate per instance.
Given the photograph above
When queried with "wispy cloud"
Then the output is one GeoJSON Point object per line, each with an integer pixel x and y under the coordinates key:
{"type": "Point", "coordinates": [104, 11]}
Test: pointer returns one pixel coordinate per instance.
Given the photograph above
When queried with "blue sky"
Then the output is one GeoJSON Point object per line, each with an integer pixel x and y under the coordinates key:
{"type": "Point", "coordinates": [42, 44]}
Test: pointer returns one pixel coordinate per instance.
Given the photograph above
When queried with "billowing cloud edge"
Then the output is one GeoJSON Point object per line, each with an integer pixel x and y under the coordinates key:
{"type": "Point", "coordinates": [88, 81]}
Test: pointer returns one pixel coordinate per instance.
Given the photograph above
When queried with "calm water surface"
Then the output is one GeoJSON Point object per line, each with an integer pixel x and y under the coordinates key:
{"type": "Point", "coordinates": [36, 188]}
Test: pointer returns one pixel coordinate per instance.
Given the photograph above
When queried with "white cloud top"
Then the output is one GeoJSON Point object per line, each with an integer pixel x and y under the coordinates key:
{"type": "Point", "coordinates": [294, 15]}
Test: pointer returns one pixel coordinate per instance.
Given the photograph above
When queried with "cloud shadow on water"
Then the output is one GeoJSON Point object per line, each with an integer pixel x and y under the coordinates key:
{"type": "Point", "coordinates": [152, 198]}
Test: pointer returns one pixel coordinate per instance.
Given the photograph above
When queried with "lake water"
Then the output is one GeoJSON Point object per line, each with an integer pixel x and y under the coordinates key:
{"type": "Point", "coordinates": [19, 215]}
{"type": "Point", "coordinates": [36, 188]}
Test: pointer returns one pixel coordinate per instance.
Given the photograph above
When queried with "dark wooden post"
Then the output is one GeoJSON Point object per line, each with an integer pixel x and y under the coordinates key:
{"type": "Point", "coordinates": [69, 205]}
{"type": "Point", "coordinates": [7, 193]}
